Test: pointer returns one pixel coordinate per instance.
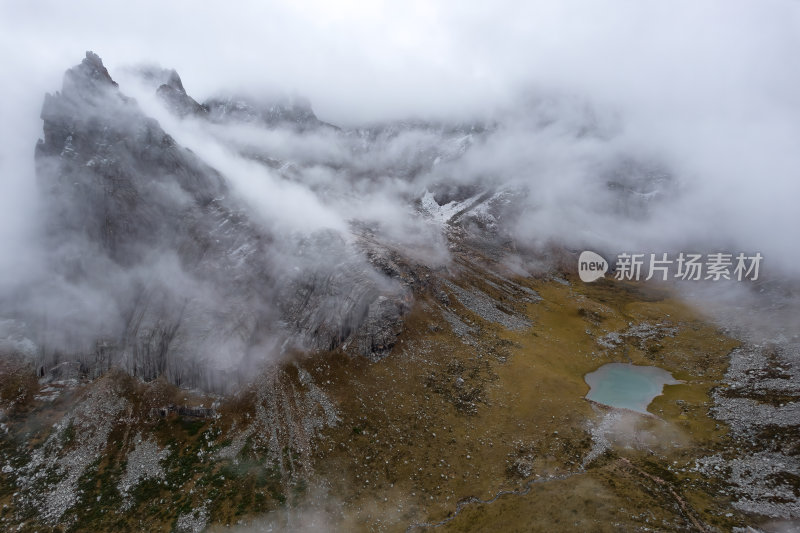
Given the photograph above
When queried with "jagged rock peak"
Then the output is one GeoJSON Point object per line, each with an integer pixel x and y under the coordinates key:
{"type": "Point", "coordinates": [173, 93]}
{"type": "Point", "coordinates": [281, 110]}
{"type": "Point", "coordinates": [89, 75]}
{"type": "Point", "coordinates": [174, 81]}
{"type": "Point", "coordinates": [155, 77]}
{"type": "Point", "coordinates": [169, 87]}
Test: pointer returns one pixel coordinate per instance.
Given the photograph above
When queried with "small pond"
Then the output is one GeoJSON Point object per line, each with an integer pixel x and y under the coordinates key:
{"type": "Point", "coordinates": [627, 386]}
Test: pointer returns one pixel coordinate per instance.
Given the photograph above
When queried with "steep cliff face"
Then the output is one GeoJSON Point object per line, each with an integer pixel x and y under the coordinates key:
{"type": "Point", "coordinates": [157, 262]}
{"type": "Point", "coordinates": [146, 224]}
{"type": "Point", "coordinates": [292, 112]}
{"type": "Point", "coordinates": [191, 285]}
{"type": "Point", "coordinates": [112, 173]}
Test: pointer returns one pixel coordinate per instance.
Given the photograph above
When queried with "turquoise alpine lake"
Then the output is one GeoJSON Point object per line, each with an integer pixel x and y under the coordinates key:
{"type": "Point", "coordinates": [627, 386]}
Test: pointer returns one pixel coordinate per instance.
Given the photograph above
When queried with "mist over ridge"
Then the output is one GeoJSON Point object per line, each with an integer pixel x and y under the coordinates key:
{"type": "Point", "coordinates": [317, 265]}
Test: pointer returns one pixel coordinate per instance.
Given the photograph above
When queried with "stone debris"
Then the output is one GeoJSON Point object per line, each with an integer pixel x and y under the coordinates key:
{"type": "Point", "coordinates": [143, 462]}
{"type": "Point", "coordinates": [193, 521]}
{"type": "Point", "coordinates": [760, 397]}
{"type": "Point", "coordinates": [600, 433]}
{"type": "Point", "coordinates": [487, 308]}
{"type": "Point", "coordinates": [759, 480]}
{"type": "Point", "coordinates": [460, 329]}
{"type": "Point", "coordinates": [746, 416]}
{"type": "Point", "coordinates": [184, 411]}
{"type": "Point", "coordinates": [640, 334]}
{"type": "Point", "coordinates": [49, 481]}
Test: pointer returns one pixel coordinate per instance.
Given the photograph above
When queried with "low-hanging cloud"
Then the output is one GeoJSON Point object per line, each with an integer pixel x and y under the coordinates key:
{"type": "Point", "coordinates": [708, 87]}
{"type": "Point", "coordinates": [690, 110]}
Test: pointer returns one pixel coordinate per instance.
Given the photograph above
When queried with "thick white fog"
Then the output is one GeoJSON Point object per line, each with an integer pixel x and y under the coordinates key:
{"type": "Point", "coordinates": [710, 90]}
{"type": "Point", "coordinates": [548, 101]}
{"type": "Point", "coordinates": [455, 143]}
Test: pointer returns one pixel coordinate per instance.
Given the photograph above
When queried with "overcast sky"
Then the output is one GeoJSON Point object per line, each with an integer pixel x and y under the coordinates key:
{"type": "Point", "coordinates": [712, 86]}
{"type": "Point", "coordinates": [361, 60]}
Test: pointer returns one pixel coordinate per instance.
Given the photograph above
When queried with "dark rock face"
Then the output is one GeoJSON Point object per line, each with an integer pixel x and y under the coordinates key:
{"type": "Point", "coordinates": [144, 222]}
{"type": "Point", "coordinates": [91, 76]}
{"type": "Point", "coordinates": [181, 103]}
{"type": "Point", "coordinates": [191, 285]}
{"type": "Point", "coordinates": [169, 87]}
{"type": "Point", "coordinates": [381, 325]}
{"type": "Point", "coordinates": [159, 268]}
{"type": "Point", "coordinates": [637, 185]}
{"type": "Point", "coordinates": [288, 112]}
{"type": "Point", "coordinates": [346, 302]}
{"type": "Point", "coordinates": [108, 165]}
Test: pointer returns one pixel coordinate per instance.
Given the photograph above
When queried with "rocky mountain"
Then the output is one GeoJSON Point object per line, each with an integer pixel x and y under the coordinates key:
{"type": "Point", "coordinates": [192, 281]}
{"type": "Point", "coordinates": [251, 319]}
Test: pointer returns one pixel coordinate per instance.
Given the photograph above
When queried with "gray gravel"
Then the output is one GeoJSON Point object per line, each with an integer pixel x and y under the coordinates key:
{"type": "Point", "coordinates": [143, 462]}
{"type": "Point", "coordinates": [487, 308]}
